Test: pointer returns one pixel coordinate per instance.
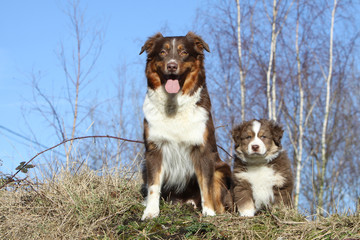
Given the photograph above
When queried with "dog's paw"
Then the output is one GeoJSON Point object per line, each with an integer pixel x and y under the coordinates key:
{"type": "Point", "coordinates": [247, 213]}
{"type": "Point", "coordinates": [208, 212]}
{"type": "Point", "coordinates": [150, 212]}
{"type": "Point", "coordinates": [192, 203]}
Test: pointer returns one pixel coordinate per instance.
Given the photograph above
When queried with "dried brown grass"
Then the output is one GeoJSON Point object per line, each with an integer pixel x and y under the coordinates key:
{"type": "Point", "coordinates": [89, 206]}
{"type": "Point", "coordinates": [67, 207]}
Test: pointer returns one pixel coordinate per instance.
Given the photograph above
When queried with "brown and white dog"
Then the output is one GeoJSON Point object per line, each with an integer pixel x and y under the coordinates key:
{"type": "Point", "coordinates": [262, 173]}
{"type": "Point", "coordinates": [182, 163]}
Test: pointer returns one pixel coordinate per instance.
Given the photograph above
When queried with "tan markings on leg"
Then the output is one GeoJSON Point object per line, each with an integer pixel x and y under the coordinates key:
{"type": "Point", "coordinates": [218, 187]}
{"type": "Point", "coordinates": [206, 194]}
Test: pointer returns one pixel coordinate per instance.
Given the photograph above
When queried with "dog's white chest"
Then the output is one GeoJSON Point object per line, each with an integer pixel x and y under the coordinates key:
{"type": "Point", "coordinates": [262, 180]}
{"type": "Point", "coordinates": [175, 135]}
{"type": "Point", "coordinates": [187, 126]}
{"type": "Point", "coordinates": [177, 166]}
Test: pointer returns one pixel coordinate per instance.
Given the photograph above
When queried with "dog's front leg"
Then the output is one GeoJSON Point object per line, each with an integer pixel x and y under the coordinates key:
{"type": "Point", "coordinates": [153, 171]}
{"type": "Point", "coordinates": [204, 170]}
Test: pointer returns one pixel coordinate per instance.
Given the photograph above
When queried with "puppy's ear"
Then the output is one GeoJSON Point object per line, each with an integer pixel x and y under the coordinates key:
{"type": "Point", "coordinates": [200, 44]}
{"type": "Point", "coordinates": [150, 43]}
{"type": "Point", "coordinates": [277, 132]}
{"type": "Point", "coordinates": [236, 132]}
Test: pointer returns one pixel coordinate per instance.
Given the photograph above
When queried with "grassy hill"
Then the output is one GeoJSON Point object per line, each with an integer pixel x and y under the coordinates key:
{"type": "Point", "coordinates": [89, 206]}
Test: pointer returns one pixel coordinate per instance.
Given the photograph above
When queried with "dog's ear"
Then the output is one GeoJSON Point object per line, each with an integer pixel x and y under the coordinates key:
{"type": "Point", "coordinates": [200, 44]}
{"type": "Point", "coordinates": [150, 43]}
{"type": "Point", "coordinates": [277, 132]}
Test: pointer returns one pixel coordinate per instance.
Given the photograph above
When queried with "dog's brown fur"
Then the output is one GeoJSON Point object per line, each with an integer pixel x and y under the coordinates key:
{"type": "Point", "coordinates": [182, 59]}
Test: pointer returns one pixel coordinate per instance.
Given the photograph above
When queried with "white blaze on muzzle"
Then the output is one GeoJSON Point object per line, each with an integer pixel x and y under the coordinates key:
{"type": "Point", "coordinates": [256, 146]}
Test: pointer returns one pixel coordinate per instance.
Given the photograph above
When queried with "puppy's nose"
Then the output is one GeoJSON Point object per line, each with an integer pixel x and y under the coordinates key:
{"type": "Point", "coordinates": [255, 147]}
{"type": "Point", "coordinates": [172, 66]}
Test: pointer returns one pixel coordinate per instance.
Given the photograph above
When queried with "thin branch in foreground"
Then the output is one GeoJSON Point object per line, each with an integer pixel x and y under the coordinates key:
{"type": "Point", "coordinates": [23, 166]}
{"type": "Point", "coordinates": [65, 141]}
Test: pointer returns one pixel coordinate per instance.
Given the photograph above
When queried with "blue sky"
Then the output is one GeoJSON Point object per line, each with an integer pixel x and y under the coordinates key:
{"type": "Point", "coordinates": [31, 33]}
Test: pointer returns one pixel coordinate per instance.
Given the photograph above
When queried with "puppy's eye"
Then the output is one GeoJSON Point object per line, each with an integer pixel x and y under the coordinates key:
{"type": "Point", "coordinates": [248, 137]}
{"type": "Point", "coordinates": [163, 52]}
{"type": "Point", "coordinates": [184, 53]}
{"type": "Point", "coordinates": [263, 137]}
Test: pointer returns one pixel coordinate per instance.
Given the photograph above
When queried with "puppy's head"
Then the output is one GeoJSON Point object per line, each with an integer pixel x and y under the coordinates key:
{"type": "Point", "coordinates": [174, 62]}
{"type": "Point", "coordinates": [257, 141]}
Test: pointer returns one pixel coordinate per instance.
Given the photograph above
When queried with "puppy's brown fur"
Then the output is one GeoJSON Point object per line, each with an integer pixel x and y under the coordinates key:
{"type": "Point", "coordinates": [262, 171]}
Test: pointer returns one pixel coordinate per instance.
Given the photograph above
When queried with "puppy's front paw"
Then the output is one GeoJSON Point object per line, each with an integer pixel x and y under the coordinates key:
{"type": "Point", "coordinates": [247, 212]}
{"type": "Point", "coordinates": [208, 212]}
{"type": "Point", "coordinates": [150, 212]}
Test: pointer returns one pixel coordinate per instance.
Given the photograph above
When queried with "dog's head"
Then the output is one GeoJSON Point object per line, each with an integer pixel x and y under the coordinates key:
{"type": "Point", "coordinates": [257, 141]}
{"type": "Point", "coordinates": [176, 63]}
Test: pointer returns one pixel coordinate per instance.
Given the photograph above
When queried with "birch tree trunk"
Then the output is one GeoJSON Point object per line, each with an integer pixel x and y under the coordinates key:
{"type": "Point", "coordinates": [301, 116]}
{"type": "Point", "coordinates": [269, 96]}
{"type": "Point", "coordinates": [324, 158]}
{"type": "Point", "coordinates": [273, 85]}
{"type": "Point", "coordinates": [241, 72]}
{"type": "Point", "coordinates": [271, 72]}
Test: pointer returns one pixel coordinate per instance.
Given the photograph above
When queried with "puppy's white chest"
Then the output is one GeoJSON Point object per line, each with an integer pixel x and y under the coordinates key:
{"type": "Point", "coordinates": [262, 180]}
{"type": "Point", "coordinates": [187, 126]}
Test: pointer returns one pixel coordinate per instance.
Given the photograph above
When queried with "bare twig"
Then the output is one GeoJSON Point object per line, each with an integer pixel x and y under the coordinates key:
{"type": "Point", "coordinates": [286, 222]}
{"type": "Point", "coordinates": [11, 178]}
{"type": "Point", "coordinates": [65, 141]}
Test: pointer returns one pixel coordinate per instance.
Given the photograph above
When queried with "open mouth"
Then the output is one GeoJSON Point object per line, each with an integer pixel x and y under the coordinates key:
{"type": "Point", "coordinates": [172, 84]}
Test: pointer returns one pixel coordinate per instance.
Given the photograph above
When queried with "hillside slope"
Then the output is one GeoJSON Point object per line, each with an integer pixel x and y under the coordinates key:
{"type": "Point", "coordinates": [89, 206]}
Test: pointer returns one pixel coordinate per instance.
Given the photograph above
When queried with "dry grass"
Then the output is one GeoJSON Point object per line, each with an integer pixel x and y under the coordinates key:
{"type": "Point", "coordinates": [67, 207]}
{"type": "Point", "coordinates": [89, 206]}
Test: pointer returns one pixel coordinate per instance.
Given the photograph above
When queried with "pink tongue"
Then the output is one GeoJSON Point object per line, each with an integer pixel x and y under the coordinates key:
{"type": "Point", "coordinates": [172, 86]}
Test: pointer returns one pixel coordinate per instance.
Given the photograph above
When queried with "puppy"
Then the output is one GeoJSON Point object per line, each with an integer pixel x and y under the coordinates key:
{"type": "Point", "coordinates": [181, 159]}
{"type": "Point", "coordinates": [262, 173]}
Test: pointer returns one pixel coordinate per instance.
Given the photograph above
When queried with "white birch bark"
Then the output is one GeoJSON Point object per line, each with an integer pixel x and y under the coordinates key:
{"type": "Point", "coordinates": [271, 59]}
{"type": "Point", "coordinates": [301, 117]}
{"type": "Point", "coordinates": [241, 72]}
{"type": "Point", "coordinates": [324, 158]}
{"type": "Point", "coordinates": [271, 83]}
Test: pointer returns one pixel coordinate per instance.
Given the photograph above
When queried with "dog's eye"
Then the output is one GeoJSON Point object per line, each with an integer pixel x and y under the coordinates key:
{"type": "Point", "coordinates": [162, 52]}
{"type": "Point", "coordinates": [183, 53]}
{"type": "Point", "coordinates": [263, 137]}
{"type": "Point", "coordinates": [247, 137]}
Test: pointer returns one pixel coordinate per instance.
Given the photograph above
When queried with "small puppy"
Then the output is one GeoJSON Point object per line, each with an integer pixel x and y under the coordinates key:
{"type": "Point", "coordinates": [262, 171]}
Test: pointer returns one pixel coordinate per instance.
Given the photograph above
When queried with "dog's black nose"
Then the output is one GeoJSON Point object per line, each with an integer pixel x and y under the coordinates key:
{"type": "Point", "coordinates": [255, 147]}
{"type": "Point", "coordinates": [172, 66]}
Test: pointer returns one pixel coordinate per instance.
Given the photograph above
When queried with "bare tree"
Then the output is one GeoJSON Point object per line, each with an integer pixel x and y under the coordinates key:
{"type": "Point", "coordinates": [271, 70]}
{"type": "Point", "coordinates": [78, 65]}
{"type": "Point", "coordinates": [241, 70]}
{"type": "Point", "coordinates": [324, 157]}
{"type": "Point", "coordinates": [77, 72]}
{"type": "Point", "coordinates": [286, 78]}
{"type": "Point", "coordinates": [301, 115]}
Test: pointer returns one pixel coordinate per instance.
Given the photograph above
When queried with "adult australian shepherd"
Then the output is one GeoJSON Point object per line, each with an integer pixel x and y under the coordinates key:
{"type": "Point", "coordinates": [182, 163]}
{"type": "Point", "coordinates": [262, 169]}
